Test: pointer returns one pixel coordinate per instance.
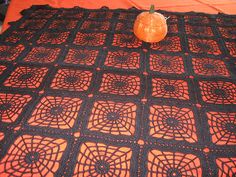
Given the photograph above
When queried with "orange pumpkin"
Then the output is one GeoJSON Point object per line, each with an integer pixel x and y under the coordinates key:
{"type": "Point", "coordinates": [150, 26]}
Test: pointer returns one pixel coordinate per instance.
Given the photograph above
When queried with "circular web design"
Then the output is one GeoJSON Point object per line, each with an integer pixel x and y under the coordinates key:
{"type": "Point", "coordinates": [19, 35]}
{"type": "Point", "coordinates": [207, 46]}
{"type": "Point", "coordinates": [2, 69]}
{"type": "Point", "coordinates": [231, 48]}
{"type": "Point", "coordinates": [209, 67]}
{"type": "Point", "coordinates": [218, 92]}
{"type": "Point", "coordinates": [53, 37]}
{"type": "Point", "coordinates": [97, 159]}
{"type": "Point", "coordinates": [196, 19]}
{"type": "Point", "coordinates": [167, 88]}
{"type": "Point", "coordinates": [115, 118]}
{"type": "Point", "coordinates": [42, 55]}
{"type": "Point", "coordinates": [33, 24]}
{"type": "Point", "coordinates": [96, 25]}
{"type": "Point", "coordinates": [26, 77]}
{"type": "Point", "coordinates": [72, 80]}
{"type": "Point", "coordinates": [33, 156]}
{"type": "Point", "coordinates": [198, 30]}
{"type": "Point", "coordinates": [43, 13]}
{"type": "Point", "coordinates": [222, 127]}
{"type": "Point", "coordinates": [228, 32]}
{"type": "Point", "coordinates": [82, 57]}
{"type": "Point", "coordinates": [173, 28]}
{"type": "Point", "coordinates": [68, 24]}
{"type": "Point", "coordinates": [102, 15]}
{"type": "Point", "coordinates": [126, 40]}
{"type": "Point", "coordinates": [226, 166]}
{"type": "Point", "coordinates": [90, 39]}
{"type": "Point", "coordinates": [11, 106]}
{"type": "Point", "coordinates": [172, 164]}
{"type": "Point", "coordinates": [166, 64]}
{"type": "Point", "coordinates": [10, 53]}
{"type": "Point", "coordinates": [120, 84]}
{"type": "Point", "coordinates": [56, 112]}
{"type": "Point", "coordinates": [170, 122]}
{"type": "Point", "coordinates": [70, 13]}
{"type": "Point", "coordinates": [124, 60]}
{"type": "Point", "coordinates": [171, 44]}
{"type": "Point", "coordinates": [124, 26]}
{"type": "Point", "coordinates": [127, 16]}
{"type": "Point", "coordinates": [225, 21]}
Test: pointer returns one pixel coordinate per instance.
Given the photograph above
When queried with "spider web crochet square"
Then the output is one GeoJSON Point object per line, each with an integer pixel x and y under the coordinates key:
{"type": "Point", "coordinates": [72, 80]}
{"type": "Point", "coordinates": [219, 92]}
{"type": "Point", "coordinates": [81, 57]}
{"type": "Point", "coordinates": [210, 67]}
{"type": "Point", "coordinates": [33, 156]}
{"type": "Point", "coordinates": [12, 105]}
{"type": "Point", "coordinates": [123, 60]}
{"type": "Point", "coordinates": [55, 112]}
{"type": "Point", "coordinates": [222, 127]}
{"type": "Point", "coordinates": [171, 122]}
{"type": "Point", "coordinates": [126, 40]}
{"type": "Point", "coordinates": [205, 46]}
{"type": "Point", "coordinates": [166, 64]}
{"type": "Point", "coordinates": [26, 77]}
{"type": "Point", "coordinates": [120, 84]}
{"type": "Point", "coordinates": [168, 88]}
{"type": "Point", "coordinates": [42, 55]}
{"type": "Point", "coordinates": [170, 43]}
{"type": "Point", "coordinates": [98, 159]}
{"type": "Point", "coordinates": [10, 53]}
{"type": "Point", "coordinates": [90, 39]}
{"type": "Point", "coordinates": [164, 163]}
{"type": "Point", "coordinates": [226, 166]}
{"type": "Point", "coordinates": [116, 118]}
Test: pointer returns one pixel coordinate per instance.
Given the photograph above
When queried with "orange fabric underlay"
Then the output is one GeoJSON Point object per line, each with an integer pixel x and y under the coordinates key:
{"type": "Point", "coordinates": [206, 6]}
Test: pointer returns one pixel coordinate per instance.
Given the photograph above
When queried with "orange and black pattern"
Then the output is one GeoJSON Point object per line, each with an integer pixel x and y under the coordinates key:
{"type": "Point", "coordinates": [81, 96]}
{"type": "Point", "coordinates": [42, 55]}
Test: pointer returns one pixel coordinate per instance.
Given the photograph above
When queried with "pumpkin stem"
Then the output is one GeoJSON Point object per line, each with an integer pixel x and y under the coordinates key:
{"type": "Point", "coordinates": [152, 9]}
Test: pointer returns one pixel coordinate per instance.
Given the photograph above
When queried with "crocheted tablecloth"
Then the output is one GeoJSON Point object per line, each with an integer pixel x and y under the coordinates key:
{"type": "Point", "coordinates": [80, 95]}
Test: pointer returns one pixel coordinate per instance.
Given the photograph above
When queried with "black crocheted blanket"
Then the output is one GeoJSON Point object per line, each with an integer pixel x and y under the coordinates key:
{"type": "Point", "coordinates": [80, 95]}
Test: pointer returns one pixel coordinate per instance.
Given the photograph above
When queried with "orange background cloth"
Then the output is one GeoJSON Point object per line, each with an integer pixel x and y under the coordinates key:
{"type": "Point", "coordinates": [207, 6]}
